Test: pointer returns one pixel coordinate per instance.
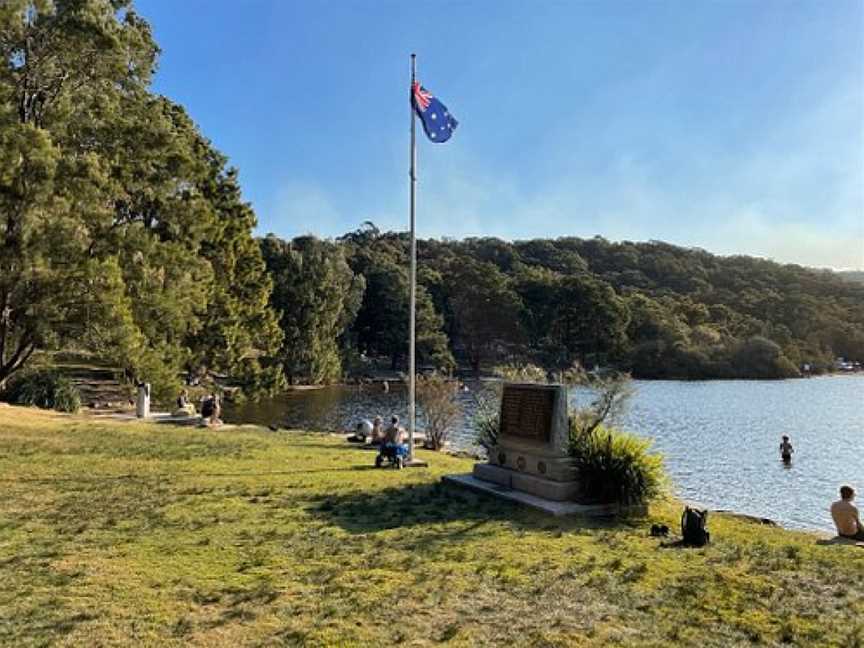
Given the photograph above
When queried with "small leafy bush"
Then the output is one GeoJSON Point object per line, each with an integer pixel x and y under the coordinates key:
{"type": "Point", "coordinates": [616, 466]}
{"type": "Point", "coordinates": [436, 396]}
{"type": "Point", "coordinates": [44, 388]}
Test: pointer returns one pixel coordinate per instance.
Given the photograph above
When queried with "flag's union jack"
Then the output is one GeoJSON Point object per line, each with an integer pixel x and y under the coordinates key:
{"type": "Point", "coordinates": [422, 96]}
{"type": "Point", "coordinates": [438, 123]}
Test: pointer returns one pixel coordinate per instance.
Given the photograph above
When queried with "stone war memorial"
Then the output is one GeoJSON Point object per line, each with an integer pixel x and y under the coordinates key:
{"type": "Point", "coordinates": [530, 463]}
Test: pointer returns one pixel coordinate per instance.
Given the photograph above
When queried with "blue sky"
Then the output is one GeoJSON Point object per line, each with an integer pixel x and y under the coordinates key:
{"type": "Point", "coordinates": [737, 127]}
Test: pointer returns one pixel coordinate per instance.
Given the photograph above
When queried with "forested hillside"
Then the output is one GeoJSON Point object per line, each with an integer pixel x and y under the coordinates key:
{"type": "Point", "coordinates": [655, 309]}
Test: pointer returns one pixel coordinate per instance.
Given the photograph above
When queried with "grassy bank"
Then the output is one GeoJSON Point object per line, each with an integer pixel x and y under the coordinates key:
{"type": "Point", "coordinates": [141, 534]}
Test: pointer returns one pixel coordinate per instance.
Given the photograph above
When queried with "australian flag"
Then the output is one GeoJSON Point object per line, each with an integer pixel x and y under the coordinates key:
{"type": "Point", "coordinates": [438, 123]}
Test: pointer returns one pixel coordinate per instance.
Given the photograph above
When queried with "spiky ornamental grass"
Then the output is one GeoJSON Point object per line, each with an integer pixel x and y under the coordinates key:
{"type": "Point", "coordinates": [615, 466]}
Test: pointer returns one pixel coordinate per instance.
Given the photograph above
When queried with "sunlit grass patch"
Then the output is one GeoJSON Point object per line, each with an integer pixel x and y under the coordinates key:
{"type": "Point", "coordinates": [114, 533]}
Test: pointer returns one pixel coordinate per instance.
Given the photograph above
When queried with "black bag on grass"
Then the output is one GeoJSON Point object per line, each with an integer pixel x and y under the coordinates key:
{"type": "Point", "coordinates": [693, 529]}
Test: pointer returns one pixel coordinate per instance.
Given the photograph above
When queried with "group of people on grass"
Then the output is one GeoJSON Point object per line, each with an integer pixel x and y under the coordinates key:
{"type": "Point", "coordinates": [843, 511]}
{"type": "Point", "coordinates": [211, 407]}
{"type": "Point", "coordinates": [375, 433]}
{"type": "Point", "coordinates": [389, 440]}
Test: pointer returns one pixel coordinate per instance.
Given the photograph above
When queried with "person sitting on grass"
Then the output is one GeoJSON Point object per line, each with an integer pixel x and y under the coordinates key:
{"type": "Point", "coordinates": [362, 431]}
{"type": "Point", "coordinates": [393, 447]}
{"type": "Point", "coordinates": [845, 515]}
{"type": "Point", "coordinates": [394, 434]}
{"type": "Point", "coordinates": [377, 431]}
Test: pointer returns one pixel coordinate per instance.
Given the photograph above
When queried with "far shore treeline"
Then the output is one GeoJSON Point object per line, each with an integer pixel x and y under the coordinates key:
{"type": "Point", "coordinates": [654, 309]}
{"type": "Point", "coordinates": [123, 232]}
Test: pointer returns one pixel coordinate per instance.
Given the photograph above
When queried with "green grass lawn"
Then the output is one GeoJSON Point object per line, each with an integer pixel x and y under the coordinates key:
{"type": "Point", "coordinates": [135, 534]}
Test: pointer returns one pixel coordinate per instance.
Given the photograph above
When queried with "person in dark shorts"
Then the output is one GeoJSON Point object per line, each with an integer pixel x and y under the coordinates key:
{"type": "Point", "coordinates": [786, 449]}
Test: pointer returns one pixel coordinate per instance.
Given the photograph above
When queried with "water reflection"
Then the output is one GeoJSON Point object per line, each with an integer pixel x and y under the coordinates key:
{"type": "Point", "coordinates": [719, 437]}
{"type": "Point", "coordinates": [338, 408]}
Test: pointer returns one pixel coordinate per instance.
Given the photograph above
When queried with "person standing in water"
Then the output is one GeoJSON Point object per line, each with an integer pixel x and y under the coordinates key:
{"type": "Point", "coordinates": [786, 450]}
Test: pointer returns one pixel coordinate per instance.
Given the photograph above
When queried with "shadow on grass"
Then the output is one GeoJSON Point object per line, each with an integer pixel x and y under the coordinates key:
{"type": "Point", "coordinates": [676, 544]}
{"type": "Point", "coordinates": [437, 503]}
{"type": "Point", "coordinates": [58, 626]}
{"type": "Point", "coordinates": [329, 446]}
{"type": "Point", "coordinates": [840, 540]}
{"type": "Point", "coordinates": [164, 476]}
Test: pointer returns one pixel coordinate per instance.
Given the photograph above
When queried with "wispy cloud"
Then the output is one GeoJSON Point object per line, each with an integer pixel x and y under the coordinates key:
{"type": "Point", "coordinates": [793, 194]}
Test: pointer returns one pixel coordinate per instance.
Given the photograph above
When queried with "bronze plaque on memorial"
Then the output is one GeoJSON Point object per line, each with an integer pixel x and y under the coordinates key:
{"type": "Point", "coordinates": [526, 411]}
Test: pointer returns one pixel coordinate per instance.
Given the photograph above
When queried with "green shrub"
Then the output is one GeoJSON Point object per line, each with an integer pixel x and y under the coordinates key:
{"type": "Point", "coordinates": [616, 466]}
{"type": "Point", "coordinates": [44, 388]}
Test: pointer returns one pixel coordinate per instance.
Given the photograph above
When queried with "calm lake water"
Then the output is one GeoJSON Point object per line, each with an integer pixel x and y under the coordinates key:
{"type": "Point", "coordinates": [719, 438]}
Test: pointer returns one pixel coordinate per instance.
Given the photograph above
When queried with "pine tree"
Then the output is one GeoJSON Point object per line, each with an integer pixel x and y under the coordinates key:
{"type": "Point", "coordinates": [316, 294]}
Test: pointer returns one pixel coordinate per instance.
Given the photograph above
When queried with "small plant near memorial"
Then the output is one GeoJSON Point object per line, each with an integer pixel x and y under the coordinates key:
{"type": "Point", "coordinates": [436, 395]}
{"type": "Point", "coordinates": [615, 466]}
{"type": "Point", "coordinates": [44, 388]}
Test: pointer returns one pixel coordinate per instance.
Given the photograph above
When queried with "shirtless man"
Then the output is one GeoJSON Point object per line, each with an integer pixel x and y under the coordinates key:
{"type": "Point", "coordinates": [845, 515]}
{"type": "Point", "coordinates": [394, 433]}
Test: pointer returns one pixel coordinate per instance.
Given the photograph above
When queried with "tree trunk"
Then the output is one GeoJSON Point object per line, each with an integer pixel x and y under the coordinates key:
{"type": "Point", "coordinates": [17, 360]}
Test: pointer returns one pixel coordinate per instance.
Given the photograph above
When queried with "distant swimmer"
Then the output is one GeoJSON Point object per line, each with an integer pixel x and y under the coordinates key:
{"type": "Point", "coordinates": [786, 450]}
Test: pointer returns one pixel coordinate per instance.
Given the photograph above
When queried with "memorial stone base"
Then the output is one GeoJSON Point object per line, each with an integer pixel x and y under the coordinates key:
{"type": "Point", "coordinates": [550, 506]}
{"type": "Point", "coordinates": [557, 491]}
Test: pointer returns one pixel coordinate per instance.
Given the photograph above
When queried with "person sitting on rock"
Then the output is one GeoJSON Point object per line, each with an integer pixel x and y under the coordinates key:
{"type": "Point", "coordinates": [217, 411]}
{"type": "Point", "coordinates": [207, 405]}
{"type": "Point", "coordinates": [184, 407]}
{"type": "Point", "coordinates": [846, 517]}
{"type": "Point", "coordinates": [211, 409]}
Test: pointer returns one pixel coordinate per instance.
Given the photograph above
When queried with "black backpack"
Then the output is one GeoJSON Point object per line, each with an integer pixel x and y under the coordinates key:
{"type": "Point", "coordinates": [693, 527]}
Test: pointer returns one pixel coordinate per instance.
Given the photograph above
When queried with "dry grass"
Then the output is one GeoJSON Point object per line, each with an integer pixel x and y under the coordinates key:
{"type": "Point", "coordinates": [128, 534]}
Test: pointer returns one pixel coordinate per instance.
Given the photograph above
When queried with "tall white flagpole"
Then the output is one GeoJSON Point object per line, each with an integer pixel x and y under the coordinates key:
{"type": "Point", "coordinates": [412, 373]}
